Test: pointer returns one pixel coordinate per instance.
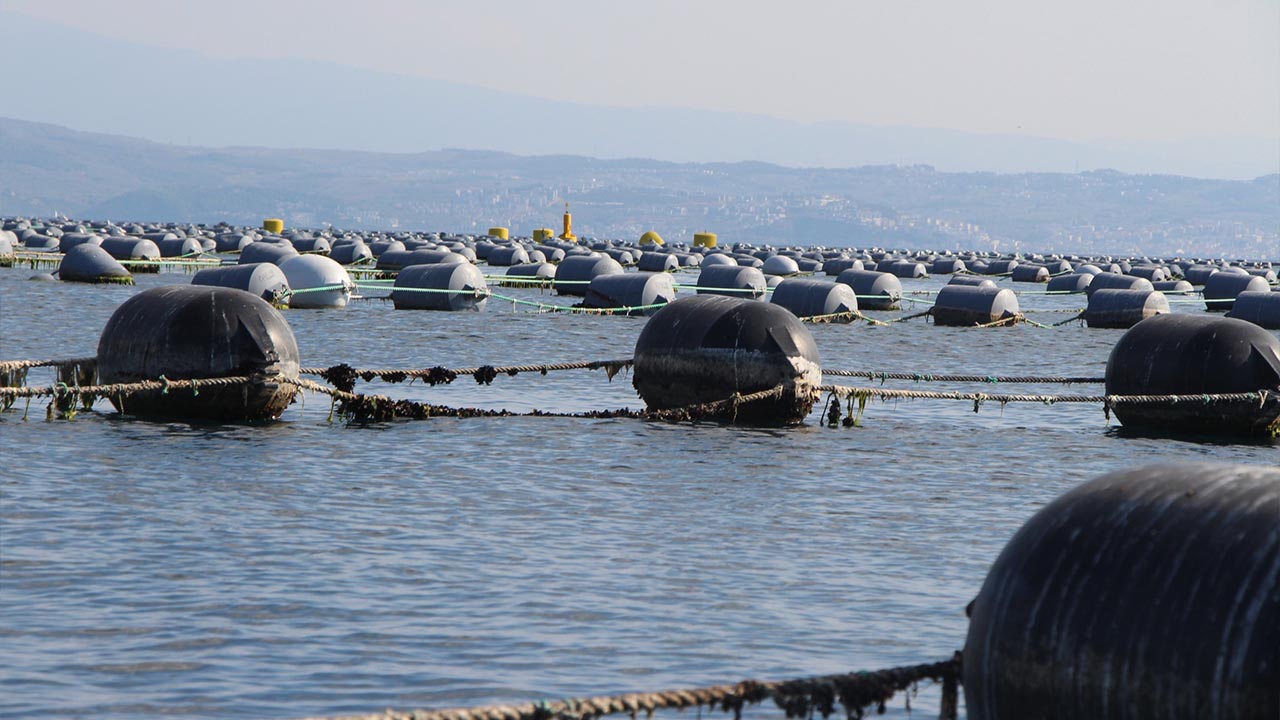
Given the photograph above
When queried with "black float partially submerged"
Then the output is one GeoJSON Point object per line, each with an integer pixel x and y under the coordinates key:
{"type": "Point", "coordinates": [182, 332]}
{"type": "Point", "coordinates": [1197, 355]}
{"type": "Point", "coordinates": [1149, 593]}
{"type": "Point", "coordinates": [708, 348]}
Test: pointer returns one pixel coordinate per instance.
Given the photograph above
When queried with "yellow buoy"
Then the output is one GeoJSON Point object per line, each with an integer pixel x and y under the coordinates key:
{"type": "Point", "coordinates": [704, 239]}
{"type": "Point", "coordinates": [543, 234]}
{"type": "Point", "coordinates": [651, 238]}
{"type": "Point", "coordinates": [273, 225]}
{"type": "Point", "coordinates": [568, 226]}
{"type": "Point", "coordinates": [500, 232]}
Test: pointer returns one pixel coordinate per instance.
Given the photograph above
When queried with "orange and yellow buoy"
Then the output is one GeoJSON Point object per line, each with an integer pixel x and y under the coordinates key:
{"type": "Point", "coordinates": [568, 226]}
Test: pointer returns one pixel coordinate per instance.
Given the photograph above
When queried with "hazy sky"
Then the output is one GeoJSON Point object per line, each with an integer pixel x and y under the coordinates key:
{"type": "Point", "coordinates": [1079, 69]}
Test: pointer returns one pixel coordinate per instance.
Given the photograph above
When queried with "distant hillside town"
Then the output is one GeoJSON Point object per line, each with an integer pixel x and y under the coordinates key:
{"type": "Point", "coordinates": [47, 170]}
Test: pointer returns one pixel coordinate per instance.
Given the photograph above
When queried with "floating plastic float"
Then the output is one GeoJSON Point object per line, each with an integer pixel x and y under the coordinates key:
{"type": "Point", "coordinates": [708, 348]}
{"type": "Point", "coordinates": [969, 305]}
{"type": "Point", "coordinates": [1147, 593]}
{"type": "Point", "coordinates": [181, 332]}
{"type": "Point", "coordinates": [1197, 355]}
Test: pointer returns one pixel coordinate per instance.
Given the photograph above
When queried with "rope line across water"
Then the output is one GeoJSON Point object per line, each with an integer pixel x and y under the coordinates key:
{"type": "Point", "coordinates": [802, 698]}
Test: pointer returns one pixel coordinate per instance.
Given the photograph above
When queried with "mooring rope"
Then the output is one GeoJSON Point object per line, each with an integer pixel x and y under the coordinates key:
{"type": "Point", "coordinates": [1108, 401]}
{"type": "Point", "coordinates": [919, 377]}
{"type": "Point", "coordinates": [340, 375]}
{"type": "Point", "coordinates": [11, 365]}
{"type": "Point", "coordinates": [856, 692]}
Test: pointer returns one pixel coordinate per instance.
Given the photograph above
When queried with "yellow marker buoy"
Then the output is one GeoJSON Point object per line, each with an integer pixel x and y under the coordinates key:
{"type": "Point", "coordinates": [543, 234]}
{"type": "Point", "coordinates": [273, 225]}
{"type": "Point", "coordinates": [500, 232]}
{"type": "Point", "coordinates": [568, 226]}
{"type": "Point", "coordinates": [652, 238]}
{"type": "Point", "coordinates": [704, 239]}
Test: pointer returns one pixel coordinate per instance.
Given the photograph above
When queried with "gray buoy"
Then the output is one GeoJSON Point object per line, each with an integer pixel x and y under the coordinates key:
{"type": "Point", "coordinates": [1123, 308]}
{"type": "Point", "coordinates": [1147, 593]}
{"type": "Point", "coordinates": [130, 248]}
{"type": "Point", "coordinates": [811, 298]}
{"type": "Point", "coordinates": [396, 260]}
{"type": "Point", "coordinates": [1026, 273]}
{"type": "Point", "coordinates": [89, 263]}
{"type": "Point", "coordinates": [707, 348]}
{"type": "Point", "coordinates": [507, 256]}
{"type": "Point", "coordinates": [1197, 355]}
{"type": "Point", "coordinates": [189, 331]}
{"type": "Point", "coordinates": [539, 271]}
{"type": "Point", "coordinates": [317, 282]}
{"type": "Point", "coordinates": [269, 252]}
{"type": "Point", "coordinates": [1221, 289]}
{"type": "Point", "coordinates": [875, 290]}
{"type": "Point", "coordinates": [577, 272]}
{"type": "Point", "coordinates": [1175, 287]}
{"type": "Point", "coordinates": [440, 286]}
{"type": "Point", "coordinates": [969, 305]}
{"type": "Point", "coordinates": [838, 265]}
{"type": "Point", "coordinates": [231, 242]}
{"type": "Point", "coordinates": [972, 280]}
{"type": "Point", "coordinates": [946, 266]}
{"type": "Point", "coordinates": [70, 240]}
{"type": "Point", "coordinates": [631, 290]}
{"type": "Point", "coordinates": [779, 265]}
{"type": "Point", "coordinates": [731, 280]}
{"type": "Point", "coordinates": [1116, 281]}
{"type": "Point", "coordinates": [908, 269]}
{"type": "Point", "coordinates": [717, 259]}
{"type": "Point", "coordinates": [1260, 308]}
{"type": "Point", "coordinates": [350, 253]}
{"type": "Point", "coordinates": [1072, 283]}
{"type": "Point", "coordinates": [263, 280]}
{"type": "Point", "coordinates": [658, 262]}
{"type": "Point", "coordinates": [180, 247]}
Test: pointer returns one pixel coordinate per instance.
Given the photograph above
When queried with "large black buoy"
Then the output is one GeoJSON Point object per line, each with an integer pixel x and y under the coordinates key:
{"type": "Point", "coordinates": [708, 347]}
{"type": "Point", "coordinates": [89, 263]}
{"type": "Point", "coordinates": [1109, 308]}
{"type": "Point", "coordinates": [815, 298]}
{"type": "Point", "coordinates": [1148, 593]}
{"type": "Point", "coordinates": [197, 331]}
{"type": "Point", "coordinates": [1260, 308]}
{"type": "Point", "coordinates": [970, 305]}
{"type": "Point", "coordinates": [1197, 355]}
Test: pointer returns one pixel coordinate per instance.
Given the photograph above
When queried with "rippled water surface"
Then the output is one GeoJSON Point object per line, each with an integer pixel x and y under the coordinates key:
{"type": "Point", "coordinates": [307, 567]}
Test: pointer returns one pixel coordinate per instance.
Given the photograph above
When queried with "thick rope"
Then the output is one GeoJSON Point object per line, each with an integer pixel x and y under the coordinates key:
{"type": "Point", "coordinates": [917, 377]}
{"type": "Point", "coordinates": [11, 365]}
{"type": "Point", "coordinates": [343, 376]}
{"type": "Point", "coordinates": [801, 698]}
{"type": "Point", "coordinates": [1260, 397]}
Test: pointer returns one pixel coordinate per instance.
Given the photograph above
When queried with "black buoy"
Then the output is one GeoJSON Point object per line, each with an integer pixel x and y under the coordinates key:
{"type": "Point", "coordinates": [970, 305]}
{"type": "Point", "coordinates": [815, 298]}
{"type": "Point", "coordinates": [1260, 308]}
{"type": "Point", "coordinates": [1147, 593]}
{"type": "Point", "coordinates": [1110, 308]}
{"type": "Point", "coordinates": [1197, 355]}
{"type": "Point", "coordinates": [195, 331]}
{"type": "Point", "coordinates": [709, 347]}
{"type": "Point", "coordinates": [89, 263]}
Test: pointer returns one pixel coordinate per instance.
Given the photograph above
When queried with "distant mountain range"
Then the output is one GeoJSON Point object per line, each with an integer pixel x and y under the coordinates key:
{"type": "Point", "coordinates": [45, 169]}
{"type": "Point", "coordinates": [89, 82]}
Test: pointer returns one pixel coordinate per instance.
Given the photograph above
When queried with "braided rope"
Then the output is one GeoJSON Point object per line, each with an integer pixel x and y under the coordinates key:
{"type": "Point", "coordinates": [800, 698]}
{"type": "Point", "coordinates": [917, 377]}
{"type": "Point", "coordinates": [1259, 396]}
{"type": "Point", "coordinates": [11, 365]}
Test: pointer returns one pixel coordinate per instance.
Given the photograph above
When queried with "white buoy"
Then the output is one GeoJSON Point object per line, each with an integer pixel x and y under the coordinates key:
{"type": "Point", "coordinates": [308, 273]}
